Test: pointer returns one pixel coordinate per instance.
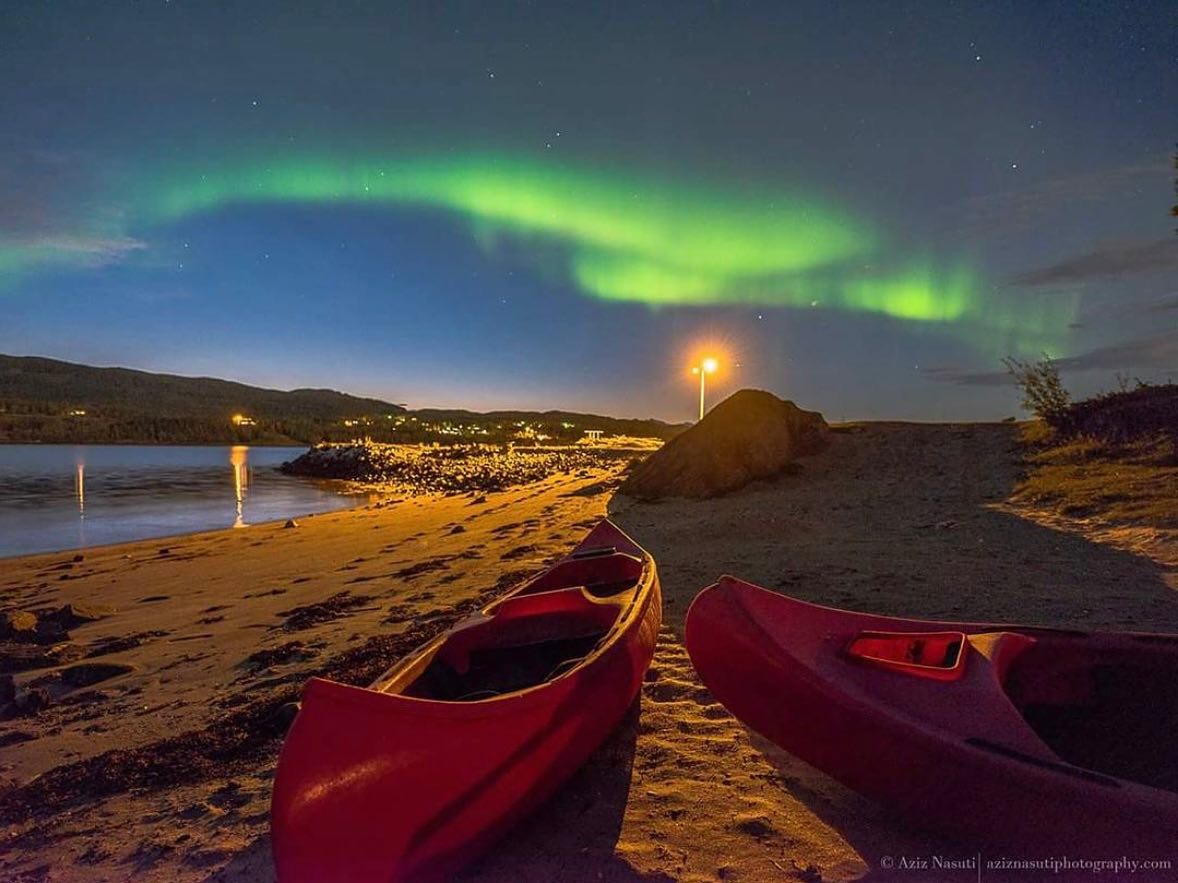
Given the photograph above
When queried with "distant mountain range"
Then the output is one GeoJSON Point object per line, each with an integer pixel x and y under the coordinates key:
{"type": "Point", "coordinates": [47, 400]}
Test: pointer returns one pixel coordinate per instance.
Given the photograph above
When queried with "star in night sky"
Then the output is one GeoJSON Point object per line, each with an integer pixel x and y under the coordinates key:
{"type": "Point", "coordinates": [506, 205]}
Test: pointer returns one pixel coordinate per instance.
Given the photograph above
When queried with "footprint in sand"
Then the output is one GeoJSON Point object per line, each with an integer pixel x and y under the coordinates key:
{"type": "Point", "coordinates": [415, 570]}
{"type": "Point", "coordinates": [266, 594]}
{"type": "Point", "coordinates": [421, 596]}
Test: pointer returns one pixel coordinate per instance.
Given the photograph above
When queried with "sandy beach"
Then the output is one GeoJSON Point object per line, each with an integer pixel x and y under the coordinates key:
{"type": "Point", "coordinates": [207, 635]}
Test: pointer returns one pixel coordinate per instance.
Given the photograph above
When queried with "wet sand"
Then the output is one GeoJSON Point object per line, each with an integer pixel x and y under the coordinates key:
{"type": "Point", "coordinates": [895, 518]}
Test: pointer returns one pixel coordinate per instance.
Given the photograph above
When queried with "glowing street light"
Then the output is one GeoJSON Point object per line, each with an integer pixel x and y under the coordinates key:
{"type": "Point", "coordinates": [703, 369]}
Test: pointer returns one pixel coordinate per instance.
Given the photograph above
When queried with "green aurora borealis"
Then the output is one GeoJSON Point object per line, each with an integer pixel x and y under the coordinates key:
{"type": "Point", "coordinates": [623, 237]}
{"type": "Point", "coordinates": [618, 236]}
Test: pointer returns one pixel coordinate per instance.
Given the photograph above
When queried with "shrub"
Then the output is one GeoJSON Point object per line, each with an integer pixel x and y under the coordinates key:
{"type": "Point", "coordinates": [1043, 391]}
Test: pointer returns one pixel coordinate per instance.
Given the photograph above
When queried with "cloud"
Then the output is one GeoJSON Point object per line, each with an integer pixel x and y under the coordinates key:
{"type": "Point", "coordinates": [69, 250]}
{"type": "Point", "coordinates": [1164, 305]}
{"type": "Point", "coordinates": [1108, 261]}
{"type": "Point", "coordinates": [959, 377]}
{"type": "Point", "coordinates": [1158, 354]}
{"type": "Point", "coordinates": [1019, 210]}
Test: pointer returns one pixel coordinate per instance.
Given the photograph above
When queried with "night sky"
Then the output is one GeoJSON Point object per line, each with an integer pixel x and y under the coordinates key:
{"type": "Point", "coordinates": [862, 207]}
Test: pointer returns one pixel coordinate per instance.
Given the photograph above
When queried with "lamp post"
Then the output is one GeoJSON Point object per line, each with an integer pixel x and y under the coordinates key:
{"type": "Point", "coordinates": [703, 369]}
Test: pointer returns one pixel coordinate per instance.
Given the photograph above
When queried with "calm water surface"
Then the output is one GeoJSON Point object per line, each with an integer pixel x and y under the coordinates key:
{"type": "Point", "coordinates": [55, 497]}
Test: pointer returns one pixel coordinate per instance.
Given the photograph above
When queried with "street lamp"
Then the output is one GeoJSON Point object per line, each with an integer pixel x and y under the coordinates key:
{"type": "Point", "coordinates": [703, 369]}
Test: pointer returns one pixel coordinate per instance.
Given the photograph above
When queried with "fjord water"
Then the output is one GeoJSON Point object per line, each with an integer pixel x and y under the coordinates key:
{"type": "Point", "coordinates": [58, 497]}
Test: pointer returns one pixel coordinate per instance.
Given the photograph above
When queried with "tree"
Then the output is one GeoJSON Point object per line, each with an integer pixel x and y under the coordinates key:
{"type": "Point", "coordinates": [1043, 391]}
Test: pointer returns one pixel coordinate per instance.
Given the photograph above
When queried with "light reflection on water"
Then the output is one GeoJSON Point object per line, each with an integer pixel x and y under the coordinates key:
{"type": "Point", "coordinates": [55, 497]}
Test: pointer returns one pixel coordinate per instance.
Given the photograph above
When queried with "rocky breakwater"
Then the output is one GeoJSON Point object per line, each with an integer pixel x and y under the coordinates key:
{"type": "Point", "coordinates": [448, 470]}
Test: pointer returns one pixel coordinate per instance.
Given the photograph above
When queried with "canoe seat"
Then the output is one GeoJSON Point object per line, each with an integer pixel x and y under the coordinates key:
{"type": "Point", "coordinates": [493, 671]}
{"type": "Point", "coordinates": [603, 575]}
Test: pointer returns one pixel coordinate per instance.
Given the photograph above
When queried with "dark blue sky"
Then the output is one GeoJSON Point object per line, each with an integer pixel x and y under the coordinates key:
{"type": "Point", "coordinates": [861, 206]}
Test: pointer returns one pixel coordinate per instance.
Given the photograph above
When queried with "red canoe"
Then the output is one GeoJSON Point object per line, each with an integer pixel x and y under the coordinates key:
{"type": "Point", "coordinates": [999, 735]}
{"type": "Point", "coordinates": [412, 777]}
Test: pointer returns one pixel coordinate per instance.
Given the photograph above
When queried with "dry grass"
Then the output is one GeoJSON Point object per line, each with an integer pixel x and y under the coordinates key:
{"type": "Point", "coordinates": [1132, 484]}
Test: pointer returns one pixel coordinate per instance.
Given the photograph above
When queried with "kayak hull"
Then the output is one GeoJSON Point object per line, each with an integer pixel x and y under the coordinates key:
{"type": "Point", "coordinates": [950, 752]}
{"type": "Point", "coordinates": [379, 786]}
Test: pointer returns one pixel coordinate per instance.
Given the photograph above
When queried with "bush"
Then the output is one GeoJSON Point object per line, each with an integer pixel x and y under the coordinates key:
{"type": "Point", "coordinates": [1043, 391]}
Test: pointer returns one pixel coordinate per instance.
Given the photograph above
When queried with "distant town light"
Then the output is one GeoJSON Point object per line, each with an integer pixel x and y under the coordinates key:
{"type": "Point", "coordinates": [242, 420]}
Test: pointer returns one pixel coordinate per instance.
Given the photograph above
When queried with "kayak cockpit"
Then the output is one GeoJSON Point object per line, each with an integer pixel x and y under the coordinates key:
{"type": "Point", "coordinates": [1112, 709]}
{"type": "Point", "coordinates": [546, 629]}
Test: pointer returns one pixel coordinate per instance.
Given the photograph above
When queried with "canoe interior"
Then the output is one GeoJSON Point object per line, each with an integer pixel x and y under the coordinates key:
{"type": "Point", "coordinates": [1111, 710]}
{"type": "Point", "coordinates": [544, 630]}
{"type": "Point", "coordinates": [494, 671]}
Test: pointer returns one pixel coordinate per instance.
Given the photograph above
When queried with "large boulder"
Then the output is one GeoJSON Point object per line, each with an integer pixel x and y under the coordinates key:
{"type": "Point", "coordinates": [752, 434]}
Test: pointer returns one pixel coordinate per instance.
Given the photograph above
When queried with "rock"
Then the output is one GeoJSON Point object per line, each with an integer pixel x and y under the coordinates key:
{"type": "Point", "coordinates": [33, 701]}
{"type": "Point", "coordinates": [458, 528]}
{"type": "Point", "coordinates": [78, 559]}
{"type": "Point", "coordinates": [73, 615]}
{"type": "Point", "coordinates": [7, 689]}
{"type": "Point", "coordinates": [290, 522]}
{"type": "Point", "coordinates": [87, 673]}
{"type": "Point", "coordinates": [750, 435]}
{"type": "Point", "coordinates": [17, 625]}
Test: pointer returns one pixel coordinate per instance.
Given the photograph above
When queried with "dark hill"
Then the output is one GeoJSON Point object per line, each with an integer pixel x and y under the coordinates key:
{"type": "Point", "coordinates": [50, 401]}
{"type": "Point", "coordinates": [34, 379]}
{"type": "Point", "coordinates": [751, 434]}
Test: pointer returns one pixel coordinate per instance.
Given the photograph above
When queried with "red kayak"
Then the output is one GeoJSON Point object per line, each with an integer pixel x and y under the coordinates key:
{"type": "Point", "coordinates": [412, 777]}
{"type": "Point", "coordinates": [999, 735]}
